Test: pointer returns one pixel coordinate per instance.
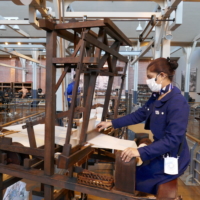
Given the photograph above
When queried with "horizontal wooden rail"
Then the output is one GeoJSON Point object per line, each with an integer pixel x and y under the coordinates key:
{"type": "Point", "coordinates": [20, 119]}
{"type": "Point", "coordinates": [193, 138]}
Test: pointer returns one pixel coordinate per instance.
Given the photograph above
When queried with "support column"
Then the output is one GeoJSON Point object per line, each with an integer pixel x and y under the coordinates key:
{"type": "Point", "coordinates": [135, 84]}
{"type": "Point", "coordinates": [166, 48]}
{"type": "Point", "coordinates": [34, 75]}
{"type": "Point", "coordinates": [127, 76]}
{"type": "Point", "coordinates": [23, 64]}
{"type": "Point", "coordinates": [187, 52]}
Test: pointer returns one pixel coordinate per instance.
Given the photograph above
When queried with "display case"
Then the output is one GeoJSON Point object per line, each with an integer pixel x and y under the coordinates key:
{"type": "Point", "coordinates": [5, 86]}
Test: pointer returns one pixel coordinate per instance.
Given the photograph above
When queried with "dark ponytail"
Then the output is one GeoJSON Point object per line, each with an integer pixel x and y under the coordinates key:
{"type": "Point", "coordinates": [163, 65]}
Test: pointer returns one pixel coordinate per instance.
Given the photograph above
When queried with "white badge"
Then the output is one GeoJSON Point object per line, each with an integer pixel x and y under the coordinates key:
{"type": "Point", "coordinates": [170, 165]}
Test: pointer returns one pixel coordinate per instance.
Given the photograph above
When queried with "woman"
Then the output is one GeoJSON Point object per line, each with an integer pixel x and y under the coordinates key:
{"type": "Point", "coordinates": [166, 115]}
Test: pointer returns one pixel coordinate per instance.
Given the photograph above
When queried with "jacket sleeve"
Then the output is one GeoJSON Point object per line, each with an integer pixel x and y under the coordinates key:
{"type": "Point", "coordinates": [133, 118]}
{"type": "Point", "coordinates": [176, 126]}
{"type": "Point", "coordinates": [69, 89]}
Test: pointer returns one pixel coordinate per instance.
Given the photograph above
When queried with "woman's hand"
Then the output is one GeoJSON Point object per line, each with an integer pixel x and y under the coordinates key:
{"type": "Point", "coordinates": [129, 153]}
{"type": "Point", "coordinates": [103, 125]}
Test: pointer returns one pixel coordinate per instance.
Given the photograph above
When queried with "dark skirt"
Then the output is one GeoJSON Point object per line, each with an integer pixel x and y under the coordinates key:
{"type": "Point", "coordinates": [150, 175]}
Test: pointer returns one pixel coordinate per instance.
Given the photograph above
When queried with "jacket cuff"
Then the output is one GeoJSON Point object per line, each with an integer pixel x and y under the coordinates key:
{"type": "Point", "coordinates": [143, 153]}
{"type": "Point", "coordinates": [115, 124]}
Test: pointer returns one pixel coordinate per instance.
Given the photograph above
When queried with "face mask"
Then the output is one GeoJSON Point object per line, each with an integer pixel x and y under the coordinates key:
{"type": "Point", "coordinates": [153, 86]}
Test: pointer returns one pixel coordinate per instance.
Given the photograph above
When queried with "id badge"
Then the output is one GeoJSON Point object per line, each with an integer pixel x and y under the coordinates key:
{"type": "Point", "coordinates": [170, 165]}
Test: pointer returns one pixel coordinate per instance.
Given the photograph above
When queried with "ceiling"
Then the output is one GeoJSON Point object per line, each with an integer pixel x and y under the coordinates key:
{"type": "Point", "coordinates": [185, 33]}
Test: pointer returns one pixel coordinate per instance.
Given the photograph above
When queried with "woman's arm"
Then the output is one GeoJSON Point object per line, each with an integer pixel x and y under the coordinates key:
{"type": "Point", "coordinates": [133, 118]}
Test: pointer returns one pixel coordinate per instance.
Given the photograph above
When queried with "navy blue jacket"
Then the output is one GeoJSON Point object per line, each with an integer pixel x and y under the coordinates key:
{"type": "Point", "coordinates": [167, 119]}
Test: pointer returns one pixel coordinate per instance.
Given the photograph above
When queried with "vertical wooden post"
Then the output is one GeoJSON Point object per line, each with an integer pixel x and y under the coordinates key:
{"type": "Point", "coordinates": [88, 105]}
{"type": "Point", "coordinates": [50, 107]}
{"type": "Point", "coordinates": [120, 91]}
{"type": "Point", "coordinates": [1, 186]}
{"type": "Point", "coordinates": [74, 95]}
{"type": "Point", "coordinates": [113, 63]}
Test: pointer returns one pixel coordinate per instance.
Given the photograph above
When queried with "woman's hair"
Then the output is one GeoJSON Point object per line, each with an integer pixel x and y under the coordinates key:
{"type": "Point", "coordinates": [163, 65]}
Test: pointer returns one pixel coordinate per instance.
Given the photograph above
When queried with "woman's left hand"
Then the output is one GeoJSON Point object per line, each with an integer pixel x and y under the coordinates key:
{"type": "Point", "coordinates": [129, 153]}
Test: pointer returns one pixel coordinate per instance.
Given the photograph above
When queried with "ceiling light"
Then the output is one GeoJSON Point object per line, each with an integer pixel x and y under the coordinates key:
{"type": "Point", "coordinates": [168, 35]}
{"type": "Point", "coordinates": [2, 27]}
{"type": "Point", "coordinates": [139, 28]}
{"type": "Point", "coordinates": [19, 43]}
{"type": "Point", "coordinates": [16, 27]}
{"type": "Point", "coordinates": [6, 43]}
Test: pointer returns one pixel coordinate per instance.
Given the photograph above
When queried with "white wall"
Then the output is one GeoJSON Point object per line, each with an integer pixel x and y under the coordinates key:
{"type": "Point", "coordinates": [195, 63]}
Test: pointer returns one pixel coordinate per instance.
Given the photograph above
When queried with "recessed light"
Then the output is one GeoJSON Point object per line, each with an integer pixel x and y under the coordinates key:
{"type": "Point", "coordinates": [6, 43]}
{"type": "Point", "coordinates": [19, 43]}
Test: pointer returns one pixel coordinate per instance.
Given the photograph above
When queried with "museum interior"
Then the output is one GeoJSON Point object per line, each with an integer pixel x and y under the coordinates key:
{"type": "Point", "coordinates": [89, 105]}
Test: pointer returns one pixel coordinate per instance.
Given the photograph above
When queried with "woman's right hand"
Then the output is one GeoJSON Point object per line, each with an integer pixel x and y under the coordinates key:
{"type": "Point", "coordinates": [103, 125]}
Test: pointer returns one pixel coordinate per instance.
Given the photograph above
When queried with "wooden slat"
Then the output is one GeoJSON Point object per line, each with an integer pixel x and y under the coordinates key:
{"type": "Point", "coordinates": [61, 193]}
{"type": "Point", "coordinates": [104, 47]}
{"type": "Point", "coordinates": [23, 118]}
{"type": "Point", "coordinates": [31, 135]}
{"type": "Point", "coordinates": [46, 25]}
{"type": "Point", "coordinates": [64, 162]}
{"type": "Point", "coordinates": [61, 78]}
{"type": "Point", "coordinates": [62, 181]}
{"type": "Point", "coordinates": [116, 30]}
{"type": "Point", "coordinates": [24, 150]}
{"type": "Point", "coordinates": [73, 60]}
{"type": "Point", "coordinates": [75, 25]}
{"type": "Point", "coordinates": [50, 104]}
{"type": "Point", "coordinates": [66, 35]}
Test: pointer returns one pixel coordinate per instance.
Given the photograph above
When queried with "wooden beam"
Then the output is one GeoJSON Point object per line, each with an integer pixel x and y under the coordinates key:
{"type": "Point", "coordinates": [104, 47]}
{"type": "Point", "coordinates": [46, 25]}
{"type": "Point", "coordinates": [114, 29]}
{"type": "Point", "coordinates": [24, 150]}
{"type": "Point", "coordinates": [75, 25]}
{"type": "Point", "coordinates": [72, 60]}
{"type": "Point", "coordinates": [63, 181]}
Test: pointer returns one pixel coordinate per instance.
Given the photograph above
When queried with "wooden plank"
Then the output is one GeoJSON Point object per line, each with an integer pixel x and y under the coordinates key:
{"type": "Point", "coordinates": [116, 30]}
{"type": "Point", "coordinates": [46, 25]}
{"type": "Point", "coordinates": [50, 104]}
{"type": "Point", "coordinates": [5, 140]}
{"type": "Point", "coordinates": [24, 150]}
{"type": "Point", "coordinates": [75, 25]}
{"type": "Point", "coordinates": [61, 193]}
{"type": "Point", "coordinates": [73, 60]}
{"type": "Point", "coordinates": [113, 63]}
{"type": "Point", "coordinates": [65, 162]}
{"type": "Point", "coordinates": [61, 78]}
{"type": "Point", "coordinates": [66, 35]}
{"type": "Point", "coordinates": [104, 47]}
{"type": "Point", "coordinates": [88, 105]}
{"type": "Point", "coordinates": [20, 119]}
{"type": "Point", "coordinates": [62, 181]}
{"type": "Point", "coordinates": [31, 135]}
{"type": "Point", "coordinates": [74, 94]}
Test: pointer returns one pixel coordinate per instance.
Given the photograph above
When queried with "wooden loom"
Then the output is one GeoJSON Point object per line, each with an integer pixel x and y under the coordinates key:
{"type": "Point", "coordinates": [86, 59]}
